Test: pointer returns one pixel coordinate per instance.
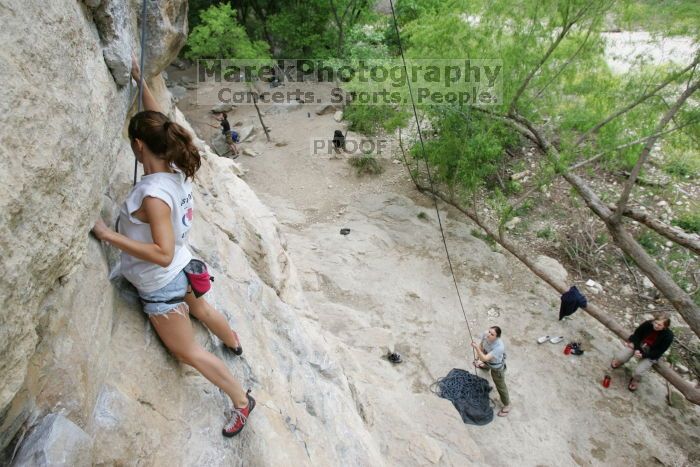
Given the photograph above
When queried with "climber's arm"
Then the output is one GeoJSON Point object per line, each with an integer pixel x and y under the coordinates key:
{"type": "Point", "coordinates": [149, 102]}
{"type": "Point", "coordinates": [156, 213]}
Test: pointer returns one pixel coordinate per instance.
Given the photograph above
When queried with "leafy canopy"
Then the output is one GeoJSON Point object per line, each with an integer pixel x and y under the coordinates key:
{"type": "Point", "coordinates": [219, 35]}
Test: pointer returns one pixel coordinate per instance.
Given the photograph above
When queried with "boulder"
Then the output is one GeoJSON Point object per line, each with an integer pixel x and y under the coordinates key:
{"type": "Point", "coordinates": [219, 145]}
{"type": "Point", "coordinates": [178, 92]}
{"type": "Point", "coordinates": [179, 63]}
{"type": "Point", "coordinates": [510, 225]}
{"type": "Point", "coordinates": [325, 109]}
{"type": "Point", "coordinates": [520, 175]}
{"type": "Point", "coordinates": [284, 107]}
{"type": "Point", "coordinates": [245, 132]}
{"type": "Point", "coordinates": [338, 116]}
{"type": "Point", "coordinates": [250, 152]}
{"type": "Point", "coordinates": [221, 107]}
{"type": "Point", "coordinates": [553, 268]}
{"type": "Point", "coordinates": [594, 286]}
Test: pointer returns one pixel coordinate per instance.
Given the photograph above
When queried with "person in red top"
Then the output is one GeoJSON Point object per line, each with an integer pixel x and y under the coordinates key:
{"type": "Point", "coordinates": [648, 343]}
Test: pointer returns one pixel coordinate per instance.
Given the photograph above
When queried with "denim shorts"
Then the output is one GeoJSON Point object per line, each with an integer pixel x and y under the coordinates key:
{"type": "Point", "coordinates": [177, 288]}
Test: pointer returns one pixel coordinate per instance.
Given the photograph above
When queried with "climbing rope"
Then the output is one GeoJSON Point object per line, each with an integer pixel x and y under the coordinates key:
{"type": "Point", "coordinates": [143, 61]}
{"type": "Point", "coordinates": [430, 178]}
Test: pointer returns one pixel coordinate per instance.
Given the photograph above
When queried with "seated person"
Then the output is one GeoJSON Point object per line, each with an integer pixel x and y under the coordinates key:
{"type": "Point", "coordinates": [648, 343]}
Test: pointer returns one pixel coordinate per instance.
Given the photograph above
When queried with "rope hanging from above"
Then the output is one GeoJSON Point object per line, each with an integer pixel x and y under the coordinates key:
{"type": "Point", "coordinates": [143, 61]}
{"type": "Point", "coordinates": [427, 167]}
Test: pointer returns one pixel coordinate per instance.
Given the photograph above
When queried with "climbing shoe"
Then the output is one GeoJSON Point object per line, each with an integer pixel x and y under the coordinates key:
{"type": "Point", "coordinates": [576, 348]}
{"type": "Point", "coordinates": [238, 350]}
{"type": "Point", "coordinates": [239, 418]}
{"type": "Point", "coordinates": [394, 357]}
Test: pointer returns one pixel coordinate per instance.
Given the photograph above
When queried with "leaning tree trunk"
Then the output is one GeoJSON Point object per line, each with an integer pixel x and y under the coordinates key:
{"type": "Point", "coordinates": [678, 297]}
{"type": "Point", "coordinates": [685, 387]}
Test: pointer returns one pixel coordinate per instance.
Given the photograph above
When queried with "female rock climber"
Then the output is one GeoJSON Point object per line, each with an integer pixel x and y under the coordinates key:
{"type": "Point", "coordinates": [648, 343]}
{"type": "Point", "coordinates": [154, 221]}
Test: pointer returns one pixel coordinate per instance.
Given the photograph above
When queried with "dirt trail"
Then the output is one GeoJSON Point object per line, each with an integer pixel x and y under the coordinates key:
{"type": "Point", "coordinates": [386, 286]}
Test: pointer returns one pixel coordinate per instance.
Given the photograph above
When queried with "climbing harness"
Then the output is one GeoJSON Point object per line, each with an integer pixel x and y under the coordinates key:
{"type": "Point", "coordinates": [427, 167]}
{"type": "Point", "coordinates": [143, 61]}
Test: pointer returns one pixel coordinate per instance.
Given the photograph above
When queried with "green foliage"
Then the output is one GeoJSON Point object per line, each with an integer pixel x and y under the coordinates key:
{"type": "Point", "coordinates": [649, 241]}
{"type": "Point", "coordinates": [547, 233]}
{"type": "Point", "coordinates": [367, 41]}
{"type": "Point", "coordinates": [467, 149]}
{"type": "Point", "coordinates": [411, 10]}
{"type": "Point", "coordinates": [370, 119]}
{"type": "Point", "coordinates": [524, 208]}
{"type": "Point", "coordinates": [318, 29]}
{"type": "Point", "coordinates": [422, 216]}
{"type": "Point", "coordinates": [301, 30]}
{"type": "Point", "coordinates": [681, 161]}
{"type": "Point", "coordinates": [679, 168]}
{"type": "Point", "coordinates": [366, 164]}
{"type": "Point", "coordinates": [513, 187]}
{"type": "Point", "coordinates": [689, 221]}
{"type": "Point", "coordinates": [670, 17]}
{"type": "Point", "coordinates": [195, 7]}
{"type": "Point", "coordinates": [220, 36]}
{"type": "Point", "coordinates": [673, 356]}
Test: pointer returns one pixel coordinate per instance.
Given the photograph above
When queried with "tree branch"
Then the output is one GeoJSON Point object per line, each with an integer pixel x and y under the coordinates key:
{"type": "Point", "coordinates": [634, 104]}
{"type": "Point", "coordinates": [686, 388]}
{"type": "Point", "coordinates": [675, 234]}
{"type": "Point", "coordinates": [626, 145]}
{"type": "Point", "coordinates": [567, 63]}
{"type": "Point", "coordinates": [624, 197]}
{"type": "Point", "coordinates": [680, 299]}
{"type": "Point", "coordinates": [528, 78]}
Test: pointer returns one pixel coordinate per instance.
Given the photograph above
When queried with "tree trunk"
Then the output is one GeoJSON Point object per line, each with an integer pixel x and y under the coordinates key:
{"type": "Point", "coordinates": [680, 300]}
{"type": "Point", "coordinates": [690, 391]}
{"type": "Point", "coordinates": [627, 189]}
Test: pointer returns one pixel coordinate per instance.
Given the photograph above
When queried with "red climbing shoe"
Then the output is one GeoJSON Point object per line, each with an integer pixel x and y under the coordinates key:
{"type": "Point", "coordinates": [239, 418]}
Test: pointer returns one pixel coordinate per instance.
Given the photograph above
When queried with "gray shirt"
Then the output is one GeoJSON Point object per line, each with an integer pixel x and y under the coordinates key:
{"type": "Point", "coordinates": [496, 349]}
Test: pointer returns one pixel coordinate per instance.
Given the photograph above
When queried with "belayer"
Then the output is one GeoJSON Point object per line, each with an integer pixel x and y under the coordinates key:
{"type": "Point", "coordinates": [491, 356]}
{"type": "Point", "coordinates": [152, 230]}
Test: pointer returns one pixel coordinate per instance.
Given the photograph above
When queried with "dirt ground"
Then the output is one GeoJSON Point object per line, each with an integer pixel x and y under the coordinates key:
{"type": "Point", "coordinates": [386, 286]}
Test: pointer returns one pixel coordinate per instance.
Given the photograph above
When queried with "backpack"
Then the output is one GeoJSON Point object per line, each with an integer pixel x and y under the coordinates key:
{"type": "Point", "coordinates": [235, 137]}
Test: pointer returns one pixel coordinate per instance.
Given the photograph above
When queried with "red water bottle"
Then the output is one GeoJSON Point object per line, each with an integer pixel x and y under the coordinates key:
{"type": "Point", "coordinates": [606, 381]}
{"type": "Point", "coordinates": [567, 349]}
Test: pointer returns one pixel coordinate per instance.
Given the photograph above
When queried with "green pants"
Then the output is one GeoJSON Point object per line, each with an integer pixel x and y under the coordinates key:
{"type": "Point", "coordinates": [499, 380]}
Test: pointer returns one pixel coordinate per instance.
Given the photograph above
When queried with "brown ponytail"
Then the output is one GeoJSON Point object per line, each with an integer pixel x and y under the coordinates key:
{"type": "Point", "coordinates": [167, 140]}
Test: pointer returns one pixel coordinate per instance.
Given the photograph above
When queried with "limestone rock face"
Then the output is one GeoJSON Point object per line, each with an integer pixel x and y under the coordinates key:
{"type": "Point", "coordinates": [85, 380]}
{"type": "Point", "coordinates": [55, 441]}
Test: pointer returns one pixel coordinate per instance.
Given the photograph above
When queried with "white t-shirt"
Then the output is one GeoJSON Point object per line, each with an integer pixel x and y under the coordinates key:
{"type": "Point", "coordinates": [177, 193]}
{"type": "Point", "coordinates": [496, 349]}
